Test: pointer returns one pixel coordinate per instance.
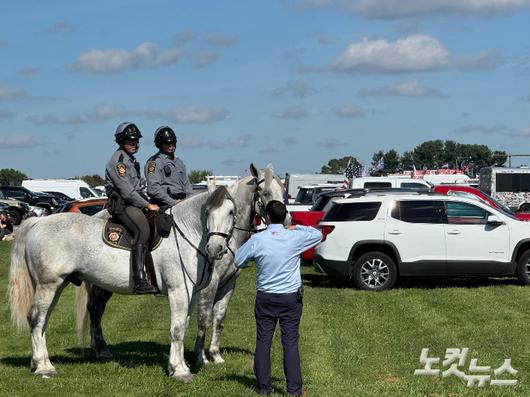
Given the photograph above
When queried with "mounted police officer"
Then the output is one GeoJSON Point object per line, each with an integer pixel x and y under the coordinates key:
{"type": "Point", "coordinates": [127, 201]}
{"type": "Point", "coordinates": [167, 180]}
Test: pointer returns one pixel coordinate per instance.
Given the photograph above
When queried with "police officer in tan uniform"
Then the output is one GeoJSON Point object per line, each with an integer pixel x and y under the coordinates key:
{"type": "Point", "coordinates": [127, 202]}
{"type": "Point", "coordinates": [165, 173]}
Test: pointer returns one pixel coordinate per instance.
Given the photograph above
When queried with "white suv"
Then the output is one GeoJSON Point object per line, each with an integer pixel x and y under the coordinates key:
{"type": "Point", "coordinates": [377, 237]}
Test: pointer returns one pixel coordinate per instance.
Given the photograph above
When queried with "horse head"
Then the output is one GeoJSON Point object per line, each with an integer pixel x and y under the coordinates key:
{"type": "Point", "coordinates": [221, 214]}
{"type": "Point", "coordinates": [268, 187]}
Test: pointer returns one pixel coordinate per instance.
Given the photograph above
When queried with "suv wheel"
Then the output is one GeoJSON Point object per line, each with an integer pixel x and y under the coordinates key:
{"type": "Point", "coordinates": [525, 208]}
{"type": "Point", "coordinates": [14, 217]}
{"type": "Point", "coordinates": [523, 268]}
{"type": "Point", "coordinates": [375, 271]}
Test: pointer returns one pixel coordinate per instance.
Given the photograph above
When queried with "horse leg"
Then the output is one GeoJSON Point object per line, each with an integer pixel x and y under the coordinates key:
{"type": "Point", "coordinates": [46, 296]}
{"type": "Point", "coordinates": [179, 306]}
{"type": "Point", "coordinates": [219, 313]}
{"type": "Point", "coordinates": [97, 301]}
{"type": "Point", "coordinates": [204, 318]}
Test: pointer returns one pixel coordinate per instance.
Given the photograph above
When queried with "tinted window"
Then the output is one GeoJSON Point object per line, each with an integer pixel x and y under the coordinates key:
{"type": "Point", "coordinates": [375, 185]}
{"type": "Point", "coordinates": [353, 212]}
{"type": "Point", "coordinates": [464, 213]}
{"type": "Point", "coordinates": [512, 182]}
{"type": "Point", "coordinates": [91, 209]}
{"type": "Point", "coordinates": [85, 193]}
{"type": "Point", "coordinates": [421, 211]}
{"type": "Point", "coordinates": [304, 196]}
{"type": "Point", "coordinates": [320, 203]}
{"type": "Point", "coordinates": [414, 185]}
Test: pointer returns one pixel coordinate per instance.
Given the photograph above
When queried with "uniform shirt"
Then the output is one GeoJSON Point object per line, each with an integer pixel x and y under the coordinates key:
{"type": "Point", "coordinates": [166, 176]}
{"type": "Point", "coordinates": [122, 174]}
{"type": "Point", "coordinates": [276, 251]}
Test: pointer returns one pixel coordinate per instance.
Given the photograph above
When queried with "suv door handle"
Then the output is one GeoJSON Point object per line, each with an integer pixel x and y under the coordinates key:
{"type": "Point", "coordinates": [395, 231]}
{"type": "Point", "coordinates": [453, 231]}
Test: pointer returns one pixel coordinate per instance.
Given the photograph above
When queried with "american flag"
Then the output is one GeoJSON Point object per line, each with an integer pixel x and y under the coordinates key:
{"type": "Point", "coordinates": [348, 175]}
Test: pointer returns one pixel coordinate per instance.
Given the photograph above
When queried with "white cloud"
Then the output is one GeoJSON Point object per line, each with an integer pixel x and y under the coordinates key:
{"type": "Point", "coordinates": [204, 59]}
{"type": "Point", "coordinates": [482, 129]}
{"type": "Point", "coordinates": [18, 141]}
{"type": "Point", "coordinates": [392, 9]}
{"type": "Point", "coordinates": [195, 142]}
{"type": "Point", "coordinates": [221, 40]}
{"type": "Point", "coordinates": [108, 61]}
{"type": "Point", "coordinates": [484, 60]}
{"type": "Point", "coordinates": [348, 111]}
{"type": "Point", "coordinates": [8, 93]}
{"type": "Point", "coordinates": [6, 115]}
{"type": "Point", "coordinates": [296, 90]}
{"type": "Point", "coordinates": [29, 71]}
{"type": "Point", "coordinates": [294, 112]}
{"type": "Point", "coordinates": [413, 53]}
{"type": "Point", "coordinates": [412, 88]}
{"type": "Point", "coordinates": [197, 114]}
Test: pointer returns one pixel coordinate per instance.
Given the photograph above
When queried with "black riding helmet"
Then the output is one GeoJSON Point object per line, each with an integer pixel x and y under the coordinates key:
{"type": "Point", "coordinates": [125, 131]}
{"type": "Point", "coordinates": [165, 135]}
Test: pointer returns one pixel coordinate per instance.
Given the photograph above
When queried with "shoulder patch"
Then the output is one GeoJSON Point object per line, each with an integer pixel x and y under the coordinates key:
{"type": "Point", "coordinates": [121, 169]}
{"type": "Point", "coordinates": [151, 167]}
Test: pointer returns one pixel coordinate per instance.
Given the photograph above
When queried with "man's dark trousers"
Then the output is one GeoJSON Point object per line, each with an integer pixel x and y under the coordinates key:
{"type": "Point", "coordinates": [270, 308]}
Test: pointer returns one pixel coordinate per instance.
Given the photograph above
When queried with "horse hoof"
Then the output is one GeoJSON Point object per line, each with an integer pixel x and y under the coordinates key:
{"type": "Point", "coordinates": [45, 374]}
{"type": "Point", "coordinates": [218, 359]}
{"type": "Point", "coordinates": [104, 354]}
{"type": "Point", "coordinates": [186, 378]}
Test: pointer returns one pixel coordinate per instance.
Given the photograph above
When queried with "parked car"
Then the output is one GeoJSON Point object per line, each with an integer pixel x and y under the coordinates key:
{"type": "Point", "coordinates": [315, 214]}
{"type": "Point", "coordinates": [293, 182]}
{"type": "Point", "coordinates": [379, 182]}
{"type": "Point", "coordinates": [307, 196]}
{"type": "Point", "coordinates": [376, 238]}
{"type": "Point", "coordinates": [87, 207]}
{"type": "Point", "coordinates": [74, 188]}
{"type": "Point", "coordinates": [16, 210]}
{"type": "Point", "coordinates": [474, 193]}
{"type": "Point", "coordinates": [43, 200]}
{"type": "Point", "coordinates": [509, 185]}
{"type": "Point", "coordinates": [60, 196]}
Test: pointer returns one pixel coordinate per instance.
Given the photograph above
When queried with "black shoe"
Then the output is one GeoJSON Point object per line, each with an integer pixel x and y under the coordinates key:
{"type": "Point", "coordinates": [142, 287]}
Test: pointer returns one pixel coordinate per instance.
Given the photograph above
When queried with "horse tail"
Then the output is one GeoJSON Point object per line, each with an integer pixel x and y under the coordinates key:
{"type": "Point", "coordinates": [81, 301]}
{"type": "Point", "coordinates": [21, 284]}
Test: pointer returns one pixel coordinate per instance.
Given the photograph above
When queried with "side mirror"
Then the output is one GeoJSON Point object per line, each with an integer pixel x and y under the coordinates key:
{"type": "Point", "coordinates": [494, 220]}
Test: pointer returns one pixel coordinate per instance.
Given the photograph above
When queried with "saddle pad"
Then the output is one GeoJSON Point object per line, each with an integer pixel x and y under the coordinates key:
{"type": "Point", "coordinates": [117, 236]}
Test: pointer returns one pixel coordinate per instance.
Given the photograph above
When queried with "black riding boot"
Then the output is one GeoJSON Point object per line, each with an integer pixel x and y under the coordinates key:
{"type": "Point", "coordinates": [141, 286]}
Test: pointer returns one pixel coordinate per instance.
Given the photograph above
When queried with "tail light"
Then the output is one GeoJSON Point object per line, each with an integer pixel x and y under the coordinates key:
{"type": "Point", "coordinates": [257, 220]}
{"type": "Point", "coordinates": [326, 229]}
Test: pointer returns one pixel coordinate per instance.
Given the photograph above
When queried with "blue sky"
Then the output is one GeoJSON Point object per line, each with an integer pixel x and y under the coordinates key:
{"type": "Point", "coordinates": [294, 83]}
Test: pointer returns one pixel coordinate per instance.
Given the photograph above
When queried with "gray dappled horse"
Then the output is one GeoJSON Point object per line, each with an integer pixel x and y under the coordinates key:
{"type": "Point", "coordinates": [51, 252]}
{"type": "Point", "coordinates": [228, 211]}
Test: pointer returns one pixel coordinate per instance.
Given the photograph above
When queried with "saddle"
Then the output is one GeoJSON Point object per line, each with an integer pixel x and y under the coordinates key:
{"type": "Point", "coordinates": [116, 235]}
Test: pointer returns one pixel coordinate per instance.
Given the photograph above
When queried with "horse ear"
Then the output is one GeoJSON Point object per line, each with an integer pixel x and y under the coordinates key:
{"type": "Point", "coordinates": [253, 170]}
{"type": "Point", "coordinates": [211, 185]}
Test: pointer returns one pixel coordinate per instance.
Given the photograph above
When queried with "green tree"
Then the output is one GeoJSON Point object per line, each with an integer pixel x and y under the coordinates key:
{"type": "Point", "coordinates": [91, 180]}
{"type": "Point", "coordinates": [391, 161]}
{"type": "Point", "coordinates": [196, 176]}
{"type": "Point", "coordinates": [338, 166]}
{"type": "Point", "coordinates": [12, 177]}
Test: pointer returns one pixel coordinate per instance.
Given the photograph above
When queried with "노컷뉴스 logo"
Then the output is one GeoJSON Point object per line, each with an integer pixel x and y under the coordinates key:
{"type": "Point", "coordinates": [478, 375]}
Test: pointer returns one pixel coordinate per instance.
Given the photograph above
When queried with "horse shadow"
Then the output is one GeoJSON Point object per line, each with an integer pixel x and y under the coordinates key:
{"type": "Point", "coordinates": [127, 354]}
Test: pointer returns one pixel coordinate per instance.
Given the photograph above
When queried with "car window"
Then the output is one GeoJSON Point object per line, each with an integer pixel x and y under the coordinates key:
{"type": "Point", "coordinates": [304, 196]}
{"type": "Point", "coordinates": [375, 185]}
{"type": "Point", "coordinates": [418, 211]}
{"type": "Point", "coordinates": [91, 209]}
{"type": "Point", "coordinates": [414, 185]}
{"type": "Point", "coordinates": [353, 212]}
{"type": "Point", "coordinates": [85, 193]}
{"type": "Point", "coordinates": [465, 194]}
{"type": "Point", "coordinates": [466, 214]}
{"type": "Point", "coordinates": [320, 203]}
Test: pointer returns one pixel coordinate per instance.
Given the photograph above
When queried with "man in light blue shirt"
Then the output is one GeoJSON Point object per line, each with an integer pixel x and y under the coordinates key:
{"type": "Point", "coordinates": [276, 252]}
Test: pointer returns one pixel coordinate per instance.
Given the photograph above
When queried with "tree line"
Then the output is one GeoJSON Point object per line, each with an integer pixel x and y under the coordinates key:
{"type": "Point", "coordinates": [435, 154]}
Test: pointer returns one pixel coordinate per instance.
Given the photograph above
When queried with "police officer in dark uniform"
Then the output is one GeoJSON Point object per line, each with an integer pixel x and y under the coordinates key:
{"type": "Point", "coordinates": [167, 180]}
{"type": "Point", "coordinates": [127, 201]}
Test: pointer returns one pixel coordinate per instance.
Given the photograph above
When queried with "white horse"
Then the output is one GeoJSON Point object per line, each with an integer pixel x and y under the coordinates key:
{"type": "Point", "coordinates": [227, 212]}
{"type": "Point", "coordinates": [51, 252]}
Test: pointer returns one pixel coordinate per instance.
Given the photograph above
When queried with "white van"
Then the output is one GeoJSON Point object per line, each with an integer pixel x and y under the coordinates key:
{"type": "Point", "coordinates": [378, 182]}
{"type": "Point", "coordinates": [73, 188]}
{"type": "Point", "coordinates": [293, 182]}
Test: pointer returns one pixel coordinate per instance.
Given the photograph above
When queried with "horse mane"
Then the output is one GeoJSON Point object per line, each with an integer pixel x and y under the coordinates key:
{"type": "Point", "coordinates": [217, 198]}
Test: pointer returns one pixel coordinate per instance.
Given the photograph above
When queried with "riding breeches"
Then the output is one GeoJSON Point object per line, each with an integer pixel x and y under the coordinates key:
{"type": "Point", "coordinates": [135, 222]}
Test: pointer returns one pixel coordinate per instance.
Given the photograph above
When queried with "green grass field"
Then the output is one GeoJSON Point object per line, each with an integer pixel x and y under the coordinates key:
{"type": "Point", "coordinates": [353, 343]}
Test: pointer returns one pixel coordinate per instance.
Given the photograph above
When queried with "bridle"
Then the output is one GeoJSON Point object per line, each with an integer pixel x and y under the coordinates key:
{"type": "Point", "coordinates": [256, 201]}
